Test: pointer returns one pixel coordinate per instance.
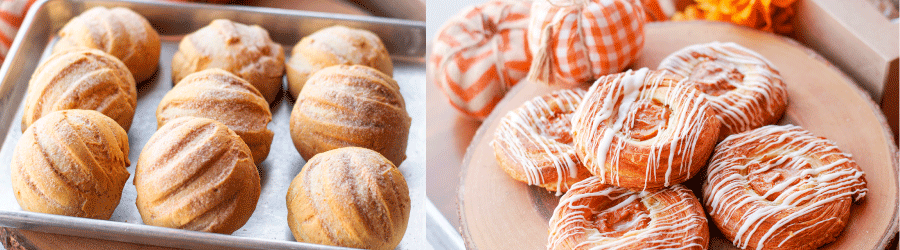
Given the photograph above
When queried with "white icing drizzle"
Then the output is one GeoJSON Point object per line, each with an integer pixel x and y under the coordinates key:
{"type": "Point", "coordinates": [676, 220]}
{"type": "Point", "coordinates": [602, 128]}
{"type": "Point", "coordinates": [756, 101]}
{"type": "Point", "coordinates": [727, 191]}
{"type": "Point", "coordinates": [526, 135]}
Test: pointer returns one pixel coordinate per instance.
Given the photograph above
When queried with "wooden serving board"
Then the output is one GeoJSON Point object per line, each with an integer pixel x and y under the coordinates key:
{"type": "Point", "coordinates": [498, 212]}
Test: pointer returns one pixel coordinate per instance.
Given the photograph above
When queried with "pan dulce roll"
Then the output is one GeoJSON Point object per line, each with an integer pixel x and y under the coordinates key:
{"type": "Point", "coordinates": [642, 130]}
{"type": "Point", "coordinates": [71, 162]}
{"type": "Point", "coordinates": [246, 51]}
{"type": "Point", "coordinates": [226, 98]}
{"type": "Point", "coordinates": [118, 31]}
{"type": "Point", "coordinates": [350, 106]}
{"type": "Point", "coordinates": [351, 197]}
{"type": "Point", "coordinates": [336, 45]}
{"type": "Point", "coordinates": [196, 174]}
{"type": "Point", "coordinates": [781, 187]}
{"type": "Point", "coordinates": [743, 88]}
{"type": "Point", "coordinates": [81, 79]}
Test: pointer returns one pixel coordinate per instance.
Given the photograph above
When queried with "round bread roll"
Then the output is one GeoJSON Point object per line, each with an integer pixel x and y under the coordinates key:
{"type": "Point", "coordinates": [344, 106]}
{"type": "Point", "coordinates": [224, 97]}
{"type": "Point", "coordinates": [81, 79]}
{"type": "Point", "coordinates": [335, 45]}
{"type": "Point", "coordinates": [71, 162]}
{"type": "Point", "coordinates": [246, 51]}
{"type": "Point", "coordinates": [196, 174]}
{"type": "Point", "coordinates": [351, 197]}
{"type": "Point", "coordinates": [118, 31]}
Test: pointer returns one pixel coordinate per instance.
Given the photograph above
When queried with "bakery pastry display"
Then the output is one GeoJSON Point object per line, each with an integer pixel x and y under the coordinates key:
{"type": "Point", "coordinates": [246, 51]}
{"type": "Point", "coordinates": [642, 130]}
{"type": "Point", "coordinates": [71, 162]}
{"type": "Point", "coordinates": [196, 174]}
{"type": "Point", "coordinates": [575, 42]}
{"type": "Point", "coordinates": [344, 106]}
{"type": "Point", "coordinates": [744, 89]}
{"type": "Point", "coordinates": [479, 54]}
{"type": "Point", "coordinates": [336, 45]}
{"type": "Point", "coordinates": [81, 78]}
{"type": "Point", "coordinates": [781, 187]}
{"type": "Point", "coordinates": [351, 197]}
{"type": "Point", "coordinates": [533, 143]}
{"type": "Point", "coordinates": [118, 31]}
{"type": "Point", "coordinates": [593, 215]}
{"type": "Point", "coordinates": [224, 97]}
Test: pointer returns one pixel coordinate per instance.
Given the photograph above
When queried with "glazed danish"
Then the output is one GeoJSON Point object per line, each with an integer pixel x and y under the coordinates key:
{"type": "Point", "coordinates": [593, 215]}
{"type": "Point", "coordinates": [781, 187]}
{"type": "Point", "coordinates": [743, 88]}
{"type": "Point", "coordinates": [533, 143]}
{"type": "Point", "coordinates": [642, 130]}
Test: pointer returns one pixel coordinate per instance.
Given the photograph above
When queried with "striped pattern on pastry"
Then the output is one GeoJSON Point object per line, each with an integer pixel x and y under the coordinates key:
{"type": "Point", "coordinates": [781, 187]}
{"type": "Point", "coordinates": [71, 162]}
{"type": "Point", "coordinates": [533, 143]}
{"type": "Point", "coordinates": [593, 215]}
{"type": "Point", "coordinates": [642, 130]}
{"type": "Point", "coordinates": [577, 41]}
{"type": "Point", "coordinates": [744, 89]}
{"type": "Point", "coordinates": [479, 54]}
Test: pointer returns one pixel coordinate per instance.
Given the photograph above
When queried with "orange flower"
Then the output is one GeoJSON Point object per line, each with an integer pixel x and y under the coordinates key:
{"type": "Point", "coordinates": [767, 15]}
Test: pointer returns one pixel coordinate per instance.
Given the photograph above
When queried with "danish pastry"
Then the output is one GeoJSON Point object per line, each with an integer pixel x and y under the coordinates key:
{"type": "Point", "coordinates": [333, 46]}
{"type": "Point", "coordinates": [781, 187]}
{"type": "Point", "coordinates": [577, 41]}
{"type": "Point", "coordinates": [71, 162]}
{"type": "Point", "coordinates": [344, 106]}
{"type": "Point", "coordinates": [593, 215]}
{"type": "Point", "coordinates": [533, 143]}
{"type": "Point", "coordinates": [224, 97]}
{"type": "Point", "coordinates": [479, 54]}
{"type": "Point", "coordinates": [196, 174]}
{"type": "Point", "coordinates": [81, 78]}
{"type": "Point", "coordinates": [743, 88]}
{"type": "Point", "coordinates": [246, 51]}
{"type": "Point", "coordinates": [642, 130]}
{"type": "Point", "coordinates": [351, 197]}
{"type": "Point", "coordinates": [118, 31]}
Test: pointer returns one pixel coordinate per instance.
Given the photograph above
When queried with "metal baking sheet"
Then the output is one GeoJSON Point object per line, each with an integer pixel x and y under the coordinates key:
{"type": "Point", "coordinates": [267, 227]}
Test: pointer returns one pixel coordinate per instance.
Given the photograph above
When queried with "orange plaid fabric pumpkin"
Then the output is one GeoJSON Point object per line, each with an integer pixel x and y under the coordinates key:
{"type": "Point", "coordinates": [479, 54]}
{"type": "Point", "coordinates": [577, 41]}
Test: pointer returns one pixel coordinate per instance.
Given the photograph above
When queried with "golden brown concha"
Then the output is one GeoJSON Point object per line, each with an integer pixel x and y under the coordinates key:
{"type": "Point", "coordinates": [743, 88]}
{"type": "Point", "coordinates": [593, 215]}
{"type": "Point", "coordinates": [71, 162]}
{"type": "Point", "coordinates": [642, 130]}
{"type": "Point", "coordinates": [533, 143]}
{"type": "Point", "coordinates": [118, 31]}
{"type": "Point", "coordinates": [351, 197]}
{"type": "Point", "coordinates": [350, 106]}
{"type": "Point", "coordinates": [246, 51]}
{"type": "Point", "coordinates": [81, 79]}
{"type": "Point", "coordinates": [336, 45]}
{"type": "Point", "coordinates": [224, 97]}
{"type": "Point", "coordinates": [781, 187]}
{"type": "Point", "coordinates": [196, 174]}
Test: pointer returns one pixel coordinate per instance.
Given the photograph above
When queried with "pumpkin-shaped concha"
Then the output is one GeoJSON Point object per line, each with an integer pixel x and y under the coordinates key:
{"type": "Point", "coordinates": [196, 174]}
{"type": "Point", "coordinates": [336, 45]}
{"type": "Point", "coordinates": [479, 54]}
{"type": "Point", "coordinates": [577, 41]}
{"type": "Point", "coordinates": [81, 79]}
{"type": "Point", "coordinates": [224, 97]}
{"type": "Point", "coordinates": [344, 106]}
{"type": "Point", "coordinates": [118, 31]}
{"type": "Point", "coordinates": [71, 162]}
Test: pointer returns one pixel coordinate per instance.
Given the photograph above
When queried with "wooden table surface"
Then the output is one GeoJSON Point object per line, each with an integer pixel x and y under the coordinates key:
{"type": "Point", "coordinates": [26, 239]}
